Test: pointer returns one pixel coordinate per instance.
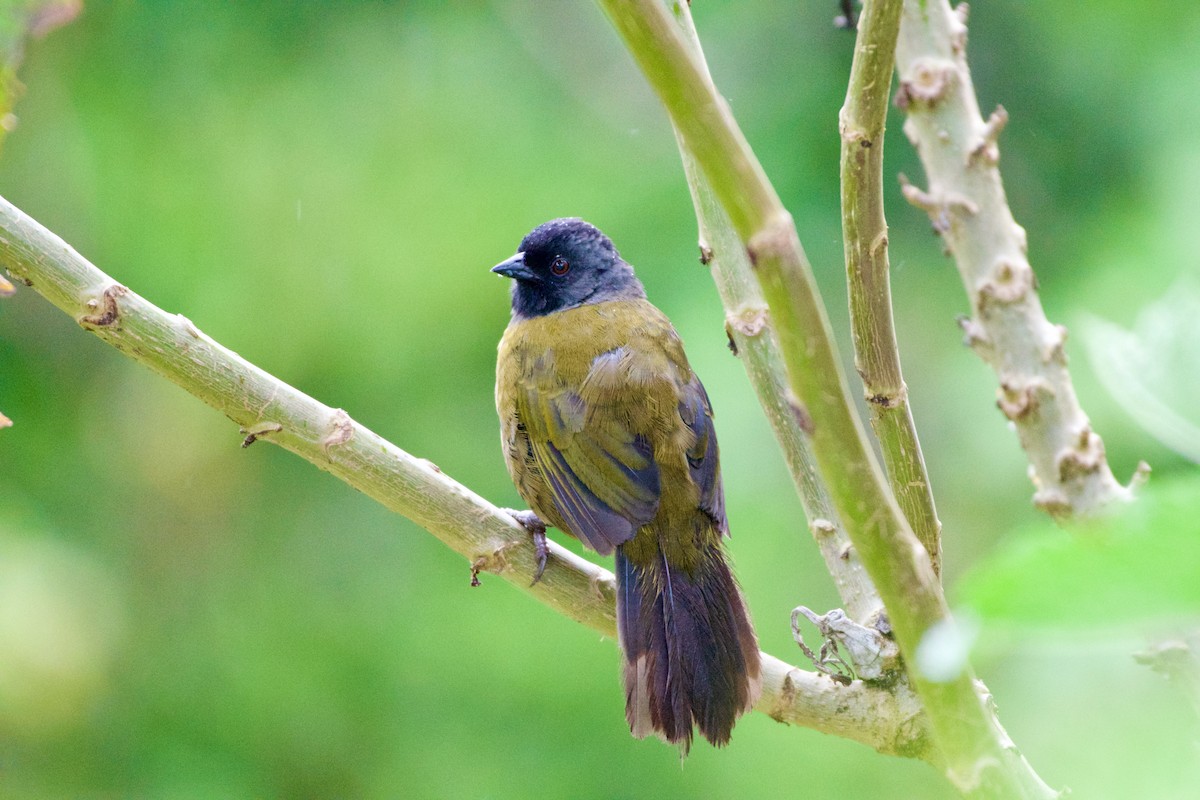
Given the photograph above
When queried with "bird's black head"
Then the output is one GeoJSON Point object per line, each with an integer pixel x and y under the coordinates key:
{"type": "Point", "coordinates": [565, 263]}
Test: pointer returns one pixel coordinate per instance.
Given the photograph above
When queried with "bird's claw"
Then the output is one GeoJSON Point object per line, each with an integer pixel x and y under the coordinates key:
{"type": "Point", "coordinates": [537, 529]}
{"type": "Point", "coordinates": [542, 551]}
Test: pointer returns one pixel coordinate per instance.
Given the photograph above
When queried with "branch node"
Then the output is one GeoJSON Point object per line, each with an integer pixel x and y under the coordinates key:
{"type": "Point", "coordinates": [1141, 474]}
{"type": "Point", "coordinates": [1052, 501]}
{"type": "Point", "coordinates": [108, 302]}
{"type": "Point", "coordinates": [1018, 401]}
{"type": "Point", "coordinates": [888, 400]}
{"type": "Point", "coordinates": [341, 431]}
{"type": "Point", "coordinates": [1022, 238]}
{"type": "Point", "coordinates": [822, 527]}
{"type": "Point", "coordinates": [987, 150]}
{"type": "Point", "coordinates": [1082, 458]}
{"type": "Point", "coordinates": [260, 429]}
{"type": "Point", "coordinates": [879, 245]}
{"type": "Point", "coordinates": [974, 334]}
{"type": "Point", "coordinates": [851, 135]}
{"type": "Point", "coordinates": [494, 562]}
{"type": "Point", "coordinates": [927, 83]}
{"type": "Point", "coordinates": [961, 12]}
{"type": "Point", "coordinates": [958, 28]}
{"type": "Point", "coordinates": [787, 699]}
{"type": "Point", "coordinates": [918, 197]}
{"type": "Point", "coordinates": [748, 320]}
{"type": "Point", "coordinates": [1055, 351]}
{"type": "Point", "coordinates": [188, 327]}
{"type": "Point", "coordinates": [1011, 282]}
{"type": "Point", "coordinates": [938, 207]}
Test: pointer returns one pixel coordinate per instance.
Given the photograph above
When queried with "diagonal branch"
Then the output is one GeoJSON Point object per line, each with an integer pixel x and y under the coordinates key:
{"type": "Point", "coordinates": [269, 410]}
{"type": "Point", "coordinates": [753, 337]}
{"type": "Point", "coordinates": [1008, 327]}
{"type": "Point", "coordinates": [865, 240]}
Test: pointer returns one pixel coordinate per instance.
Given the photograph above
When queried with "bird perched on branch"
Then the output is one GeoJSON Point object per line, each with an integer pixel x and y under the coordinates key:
{"type": "Point", "coordinates": [608, 435]}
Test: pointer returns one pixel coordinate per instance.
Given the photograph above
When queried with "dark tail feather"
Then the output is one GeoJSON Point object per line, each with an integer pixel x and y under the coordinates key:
{"type": "Point", "coordinates": [690, 651]}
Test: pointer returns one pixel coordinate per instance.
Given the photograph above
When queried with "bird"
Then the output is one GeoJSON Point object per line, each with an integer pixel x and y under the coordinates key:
{"type": "Point", "coordinates": [608, 436]}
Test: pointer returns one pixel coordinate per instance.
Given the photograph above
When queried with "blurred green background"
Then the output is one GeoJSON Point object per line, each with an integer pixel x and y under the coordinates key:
{"type": "Point", "coordinates": [322, 187]}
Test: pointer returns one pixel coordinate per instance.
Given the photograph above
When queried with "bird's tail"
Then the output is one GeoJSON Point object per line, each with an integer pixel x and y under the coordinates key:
{"type": "Point", "coordinates": [690, 651]}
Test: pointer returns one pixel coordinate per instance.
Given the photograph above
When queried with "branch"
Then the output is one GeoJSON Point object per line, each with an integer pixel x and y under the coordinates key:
{"type": "Point", "coordinates": [865, 238]}
{"type": "Point", "coordinates": [269, 410]}
{"type": "Point", "coordinates": [978, 757]}
{"type": "Point", "coordinates": [753, 337]}
{"type": "Point", "coordinates": [1008, 328]}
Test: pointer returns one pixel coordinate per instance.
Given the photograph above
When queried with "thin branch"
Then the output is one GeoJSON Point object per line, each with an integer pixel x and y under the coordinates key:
{"type": "Point", "coordinates": [1008, 328]}
{"type": "Point", "coordinates": [978, 758]}
{"type": "Point", "coordinates": [752, 336]}
{"type": "Point", "coordinates": [268, 410]}
{"type": "Point", "coordinates": [865, 238]}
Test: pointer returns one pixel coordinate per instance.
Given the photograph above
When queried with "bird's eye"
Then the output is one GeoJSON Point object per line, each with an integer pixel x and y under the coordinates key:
{"type": "Point", "coordinates": [560, 265]}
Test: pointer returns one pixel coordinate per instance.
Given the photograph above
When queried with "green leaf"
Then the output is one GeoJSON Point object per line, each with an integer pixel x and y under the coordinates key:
{"type": "Point", "coordinates": [1153, 371]}
{"type": "Point", "coordinates": [1140, 564]}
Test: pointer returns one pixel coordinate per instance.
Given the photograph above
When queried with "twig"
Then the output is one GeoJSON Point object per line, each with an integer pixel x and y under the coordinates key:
{"type": "Point", "coordinates": [757, 344]}
{"type": "Point", "coordinates": [490, 539]}
{"type": "Point", "coordinates": [978, 759]}
{"type": "Point", "coordinates": [865, 238]}
{"type": "Point", "coordinates": [1008, 328]}
{"type": "Point", "coordinates": [872, 654]}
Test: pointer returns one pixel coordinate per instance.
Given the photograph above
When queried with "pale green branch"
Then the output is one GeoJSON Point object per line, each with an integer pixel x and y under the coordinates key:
{"type": "Point", "coordinates": [753, 336]}
{"type": "Point", "coordinates": [865, 239]}
{"type": "Point", "coordinates": [269, 410]}
{"type": "Point", "coordinates": [1008, 327]}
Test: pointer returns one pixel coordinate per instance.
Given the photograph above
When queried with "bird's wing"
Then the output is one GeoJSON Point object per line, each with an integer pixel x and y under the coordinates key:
{"type": "Point", "coordinates": [595, 457]}
{"type": "Point", "coordinates": [702, 456]}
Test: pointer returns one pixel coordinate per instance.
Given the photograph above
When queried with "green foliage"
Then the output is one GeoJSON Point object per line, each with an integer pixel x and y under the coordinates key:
{"type": "Point", "coordinates": [323, 187]}
{"type": "Point", "coordinates": [1153, 371]}
{"type": "Point", "coordinates": [1135, 569]}
{"type": "Point", "coordinates": [20, 19]}
{"type": "Point", "coordinates": [1061, 618]}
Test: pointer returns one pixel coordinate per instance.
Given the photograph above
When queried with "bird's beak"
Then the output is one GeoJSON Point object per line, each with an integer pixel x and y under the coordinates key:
{"type": "Point", "coordinates": [514, 268]}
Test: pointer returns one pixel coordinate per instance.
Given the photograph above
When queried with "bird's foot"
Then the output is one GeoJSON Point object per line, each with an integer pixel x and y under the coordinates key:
{"type": "Point", "coordinates": [537, 529]}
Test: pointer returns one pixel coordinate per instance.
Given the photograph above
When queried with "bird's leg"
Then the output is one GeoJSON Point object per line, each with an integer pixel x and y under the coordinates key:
{"type": "Point", "coordinates": [537, 529]}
